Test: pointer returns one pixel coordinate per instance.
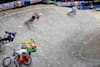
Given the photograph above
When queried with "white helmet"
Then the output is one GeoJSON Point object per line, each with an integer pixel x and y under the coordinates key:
{"type": "Point", "coordinates": [40, 14]}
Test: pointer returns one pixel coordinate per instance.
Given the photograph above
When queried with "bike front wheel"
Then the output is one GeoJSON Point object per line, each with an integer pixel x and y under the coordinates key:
{"type": "Point", "coordinates": [6, 61]}
{"type": "Point", "coordinates": [29, 61]}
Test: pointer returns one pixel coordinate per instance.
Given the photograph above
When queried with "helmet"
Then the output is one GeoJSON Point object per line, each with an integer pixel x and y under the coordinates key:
{"type": "Point", "coordinates": [23, 47]}
{"type": "Point", "coordinates": [31, 38]}
{"type": "Point", "coordinates": [6, 31]}
{"type": "Point", "coordinates": [40, 14]}
{"type": "Point", "coordinates": [24, 53]}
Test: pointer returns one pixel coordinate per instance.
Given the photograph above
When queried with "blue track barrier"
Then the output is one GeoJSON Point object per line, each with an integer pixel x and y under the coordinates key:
{"type": "Point", "coordinates": [79, 3]}
{"type": "Point", "coordinates": [16, 4]}
{"type": "Point", "coordinates": [87, 7]}
{"type": "Point", "coordinates": [70, 4]}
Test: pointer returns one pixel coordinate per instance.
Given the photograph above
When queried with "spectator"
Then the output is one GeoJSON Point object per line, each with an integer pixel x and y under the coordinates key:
{"type": "Point", "coordinates": [91, 6]}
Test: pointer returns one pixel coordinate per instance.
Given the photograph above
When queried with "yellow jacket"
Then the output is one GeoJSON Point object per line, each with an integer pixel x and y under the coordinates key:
{"type": "Point", "coordinates": [29, 42]}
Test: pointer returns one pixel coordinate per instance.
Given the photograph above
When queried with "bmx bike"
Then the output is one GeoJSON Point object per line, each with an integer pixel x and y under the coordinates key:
{"type": "Point", "coordinates": [8, 60]}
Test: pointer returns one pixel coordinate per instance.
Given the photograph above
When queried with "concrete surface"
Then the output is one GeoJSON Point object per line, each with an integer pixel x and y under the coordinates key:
{"type": "Point", "coordinates": [96, 15]}
{"type": "Point", "coordinates": [62, 40]}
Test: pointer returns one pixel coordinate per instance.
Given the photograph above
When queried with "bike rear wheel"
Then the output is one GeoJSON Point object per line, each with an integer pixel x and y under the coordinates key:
{"type": "Point", "coordinates": [6, 61]}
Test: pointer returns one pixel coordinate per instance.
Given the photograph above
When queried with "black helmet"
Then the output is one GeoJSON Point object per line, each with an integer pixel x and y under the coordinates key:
{"type": "Point", "coordinates": [24, 53]}
{"type": "Point", "coordinates": [6, 31]}
{"type": "Point", "coordinates": [23, 47]}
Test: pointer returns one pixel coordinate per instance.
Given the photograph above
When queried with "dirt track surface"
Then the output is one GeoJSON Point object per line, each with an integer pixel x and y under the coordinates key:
{"type": "Point", "coordinates": [61, 39]}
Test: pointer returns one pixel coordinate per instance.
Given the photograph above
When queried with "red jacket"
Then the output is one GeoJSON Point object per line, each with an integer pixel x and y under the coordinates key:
{"type": "Point", "coordinates": [21, 59]}
{"type": "Point", "coordinates": [37, 16]}
{"type": "Point", "coordinates": [90, 5]}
